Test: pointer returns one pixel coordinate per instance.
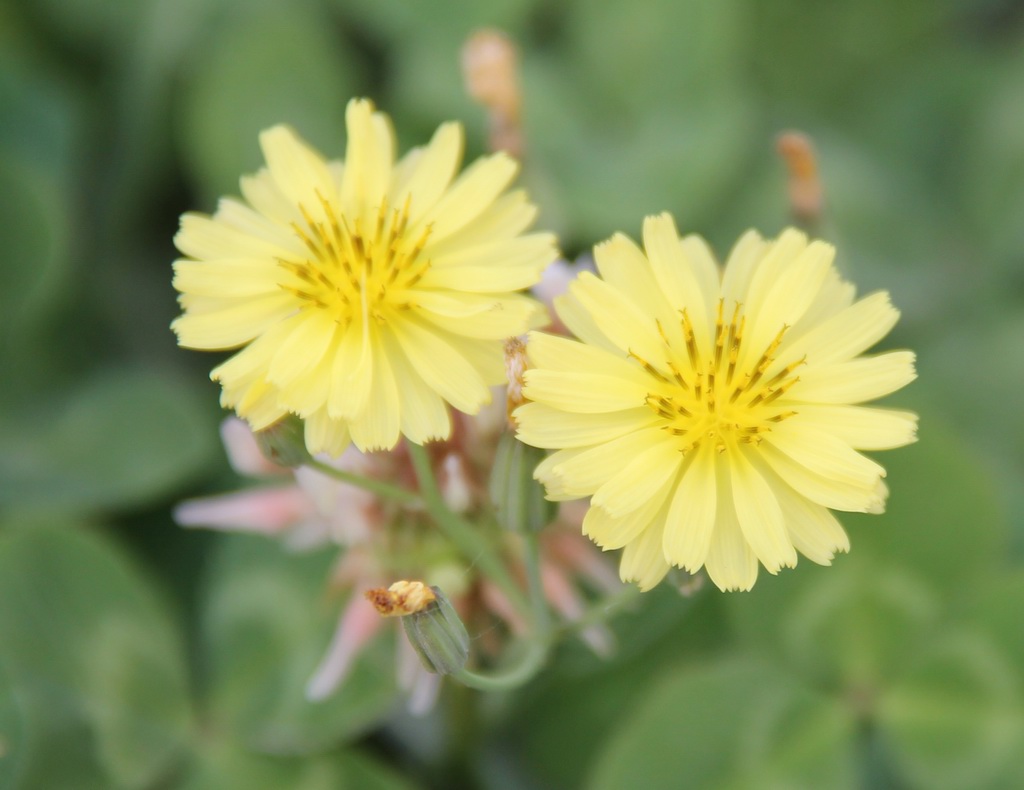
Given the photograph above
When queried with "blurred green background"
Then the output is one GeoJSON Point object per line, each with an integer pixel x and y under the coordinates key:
{"type": "Point", "coordinates": [135, 654]}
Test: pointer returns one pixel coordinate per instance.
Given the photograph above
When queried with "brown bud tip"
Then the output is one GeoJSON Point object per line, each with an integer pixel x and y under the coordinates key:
{"type": "Point", "coordinates": [401, 598]}
{"type": "Point", "coordinates": [515, 367]}
{"type": "Point", "coordinates": [805, 192]}
{"type": "Point", "coordinates": [490, 68]}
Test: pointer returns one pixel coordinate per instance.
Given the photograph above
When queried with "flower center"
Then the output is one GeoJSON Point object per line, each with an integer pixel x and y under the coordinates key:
{"type": "Point", "coordinates": [356, 272]}
{"type": "Point", "coordinates": [716, 400]}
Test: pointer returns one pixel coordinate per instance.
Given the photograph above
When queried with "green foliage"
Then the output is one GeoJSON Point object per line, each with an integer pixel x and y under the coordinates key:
{"type": "Point", "coordinates": [767, 731]}
{"type": "Point", "coordinates": [122, 439]}
{"type": "Point", "coordinates": [266, 625]}
{"type": "Point", "coordinates": [93, 662]}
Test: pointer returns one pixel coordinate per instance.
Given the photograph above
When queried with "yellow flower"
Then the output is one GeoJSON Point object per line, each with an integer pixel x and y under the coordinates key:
{"type": "Point", "coordinates": [709, 413]}
{"type": "Point", "coordinates": [365, 295]}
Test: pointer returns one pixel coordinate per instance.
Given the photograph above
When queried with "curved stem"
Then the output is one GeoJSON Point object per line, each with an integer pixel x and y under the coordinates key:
{"type": "Point", "coordinates": [512, 677]}
{"type": "Point", "coordinates": [379, 487]}
{"type": "Point", "coordinates": [473, 545]}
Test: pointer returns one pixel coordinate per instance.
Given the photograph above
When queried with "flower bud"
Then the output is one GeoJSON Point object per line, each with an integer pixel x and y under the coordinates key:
{"type": "Point", "coordinates": [284, 442]}
{"type": "Point", "coordinates": [431, 623]}
{"type": "Point", "coordinates": [519, 503]}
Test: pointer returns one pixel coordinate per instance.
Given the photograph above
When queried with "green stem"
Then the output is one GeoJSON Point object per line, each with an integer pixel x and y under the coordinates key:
{"type": "Point", "coordinates": [379, 487]}
{"type": "Point", "coordinates": [529, 664]}
{"type": "Point", "coordinates": [473, 545]}
{"type": "Point", "coordinates": [535, 584]}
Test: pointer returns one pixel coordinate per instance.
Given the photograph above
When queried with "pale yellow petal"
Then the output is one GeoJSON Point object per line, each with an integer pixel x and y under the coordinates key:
{"type": "Point", "coordinates": [622, 321]}
{"type": "Point", "coordinates": [581, 323]}
{"type": "Point", "coordinates": [759, 514]}
{"type": "Point", "coordinates": [543, 426]}
{"type": "Point", "coordinates": [434, 170]}
{"type": "Point", "coordinates": [818, 488]}
{"type": "Point", "coordinates": [610, 532]}
{"type": "Point", "coordinates": [623, 265]}
{"type": "Point", "coordinates": [862, 427]}
{"type": "Point", "coordinates": [324, 435]}
{"type": "Point", "coordinates": [477, 315]}
{"type": "Point", "coordinates": [261, 192]}
{"type": "Point", "coordinates": [237, 215]}
{"type": "Point", "coordinates": [587, 393]}
{"type": "Point", "coordinates": [570, 356]}
{"type": "Point", "coordinates": [849, 332]}
{"type": "Point", "coordinates": [815, 532]}
{"type": "Point", "coordinates": [776, 258]}
{"type": "Point", "coordinates": [731, 563]}
{"type": "Point", "coordinates": [824, 453]}
{"type": "Point", "coordinates": [785, 301]}
{"type": "Point", "coordinates": [232, 326]}
{"type": "Point", "coordinates": [227, 278]}
{"type": "Point", "coordinates": [468, 197]}
{"type": "Point", "coordinates": [677, 278]}
{"type": "Point", "coordinates": [378, 427]}
{"type": "Point", "coordinates": [443, 368]}
{"type": "Point", "coordinates": [369, 155]}
{"type": "Point", "coordinates": [704, 266]}
{"type": "Point", "coordinates": [554, 486]}
{"type": "Point", "coordinates": [312, 334]}
{"type": "Point", "coordinates": [204, 238]}
{"type": "Point", "coordinates": [856, 381]}
{"type": "Point", "coordinates": [746, 254]}
{"type": "Point", "coordinates": [642, 559]}
{"type": "Point", "coordinates": [638, 478]}
{"type": "Point", "coordinates": [505, 218]}
{"type": "Point", "coordinates": [298, 171]}
{"type": "Point", "coordinates": [589, 470]}
{"type": "Point", "coordinates": [351, 375]}
{"type": "Point", "coordinates": [691, 517]}
{"type": "Point", "coordinates": [424, 414]}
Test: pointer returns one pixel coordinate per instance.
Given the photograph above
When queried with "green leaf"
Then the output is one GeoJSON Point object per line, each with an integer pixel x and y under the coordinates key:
{"type": "Point", "coordinates": [670, 53]}
{"type": "Point", "coordinates": [267, 624]}
{"type": "Point", "coordinates": [95, 665]}
{"type": "Point", "coordinates": [955, 719]}
{"type": "Point", "coordinates": [122, 439]}
{"type": "Point", "coordinates": [264, 65]}
{"type": "Point", "coordinates": [225, 766]}
{"type": "Point", "coordinates": [732, 724]}
{"type": "Point", "coordinates": [942, 520]}
{"type": "Point", "coordinates": [12, 733]}
{"type": "Point", "coordinates": [994, 605]}
{"type": "Point", "coordinates": [564, 717]}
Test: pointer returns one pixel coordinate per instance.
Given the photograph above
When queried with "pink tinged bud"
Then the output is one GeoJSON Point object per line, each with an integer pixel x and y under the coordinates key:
{"type": "Point", "coordinates": [359, 623]}
{"type": "Point", "coordinates": [244, 453]}
{"type": "Point", "coordinates": [265, 511]}
{"type": "Point", "coordinates": [349, 512]}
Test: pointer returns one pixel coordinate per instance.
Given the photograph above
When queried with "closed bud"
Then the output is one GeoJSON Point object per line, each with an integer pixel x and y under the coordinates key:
{"type": "Point", "coordinates": [431, 623]}
{"type": "Point", "coordinates": [519, 503]}
{"type": "Point", "coordinates": [284, 442]}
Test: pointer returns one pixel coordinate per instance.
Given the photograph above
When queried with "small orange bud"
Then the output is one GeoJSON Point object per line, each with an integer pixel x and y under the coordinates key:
{"type": "Point", "coordinates": [401, 598]}
{"type": "Point", "coordinates": [806, 197]}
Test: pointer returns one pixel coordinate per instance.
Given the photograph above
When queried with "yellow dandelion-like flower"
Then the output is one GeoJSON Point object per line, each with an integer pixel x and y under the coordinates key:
{"type": "Point", "coordinates": [364, 295]}
{"type": "Point", "coordinates": [710, 413]}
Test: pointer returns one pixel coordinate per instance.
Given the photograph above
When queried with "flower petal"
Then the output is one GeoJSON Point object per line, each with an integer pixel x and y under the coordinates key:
{"type": "Point", "coordinates": [691, 518]}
